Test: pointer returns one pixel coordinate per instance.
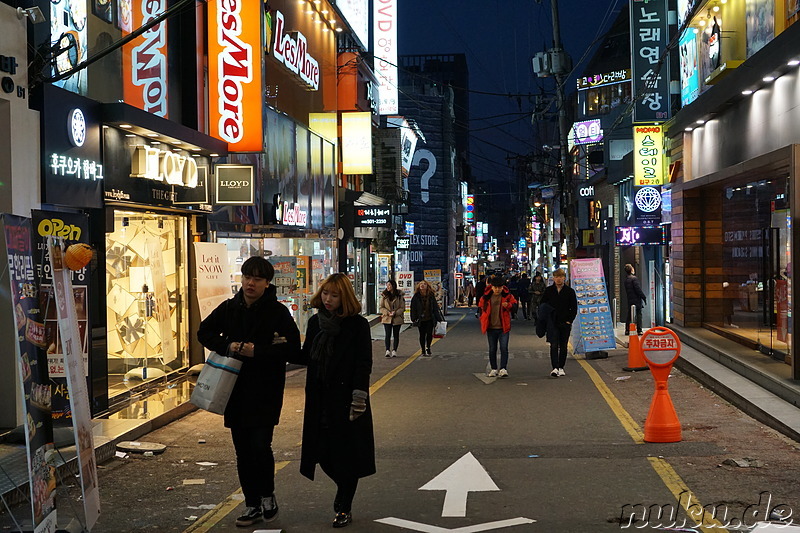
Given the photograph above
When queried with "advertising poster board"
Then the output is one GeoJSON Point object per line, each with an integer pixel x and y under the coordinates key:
{"type": "Point", "coordinates": [76, 380]}
{"type": "Point", "coordinates": [434, 279]}
{"type": "Point", "coordinates": [74, 228]}
{"type": "Point", "coordinates": [20, 304]}
{"type": "Point", "coordinates": [593, 329]}
{"type": "Point", "coordinates": [285, 279]}
{"type": "Point", "coordinates": [161, 313]}
{"type": "Point", "coordinates": [213, 275]}
{"type": "Point", "coordinates": [405, 284]}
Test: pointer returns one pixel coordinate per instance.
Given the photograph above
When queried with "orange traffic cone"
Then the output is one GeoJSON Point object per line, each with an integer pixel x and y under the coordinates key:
{"type": "Point", "coordinates": [662, 424]}
{"type": "Point", "coordinates": [636, 360]}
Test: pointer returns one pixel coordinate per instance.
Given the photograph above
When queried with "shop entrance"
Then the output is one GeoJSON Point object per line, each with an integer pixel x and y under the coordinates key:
{"type": "Point", "coordinates": [756, 266]}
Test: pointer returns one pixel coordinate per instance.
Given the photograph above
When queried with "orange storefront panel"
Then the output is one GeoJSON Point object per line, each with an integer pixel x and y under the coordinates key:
{"type": "Point", "coordinates": [144, 59]}
{"type": "Point", "coordinates": [234, 74]}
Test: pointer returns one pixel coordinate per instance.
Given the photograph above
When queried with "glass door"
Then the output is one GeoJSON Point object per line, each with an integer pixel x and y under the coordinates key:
{"type": "Point", "coordinates": [773, 335]}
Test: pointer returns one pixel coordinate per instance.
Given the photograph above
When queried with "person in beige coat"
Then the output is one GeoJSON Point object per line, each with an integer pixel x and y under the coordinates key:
{"type": "Point", "coordinates": [393, 307]}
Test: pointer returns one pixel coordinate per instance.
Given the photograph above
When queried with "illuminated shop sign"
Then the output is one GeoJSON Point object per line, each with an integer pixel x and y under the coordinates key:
{"type": "Point", "coordinates": [292, 215]}
{"type": "Point", "coordinates": [144, 59]}
{"type": "Point", "coordinates": [234, 73]}
{"type": "Point", "coordinates": [151, 163]}
{"type": "Point", "coordinates": [586, 192]}
{"type": "Point", "coordinates": [587, 131]}
{"type": "Point", "coordinates": [384, 16]}
{"type": "Point", "coordinates": [234, 184]}
{"type": "Point", "coordinates": [650, 72]}
{"type": "Point", "coordinates": [403, 243]}
{"type": "Point", "coordinates": [469, 211]}
{"type": "Point", "coordinates": [373, 216]}
{"type": "Point", "coordinates": [357, 143]}
{"type": "Point", "coordinates": [639, 236]}
{"type": "Point", "coordinates": [410, 228]}
{"type": "Point", "coordinates": [609, 78]}
{"type": "Point", "coordinates": [648, 160]}
{"type": "Point", "coordinates": [75, 167]}
{"type": "Point", "coordinates": [293, 53]}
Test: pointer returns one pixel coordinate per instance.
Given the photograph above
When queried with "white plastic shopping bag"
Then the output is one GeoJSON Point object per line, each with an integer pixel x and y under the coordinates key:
{"type": "Point", "coordinates": [440, 330]}
{"type": "Point", "coordinates": [215, 383]}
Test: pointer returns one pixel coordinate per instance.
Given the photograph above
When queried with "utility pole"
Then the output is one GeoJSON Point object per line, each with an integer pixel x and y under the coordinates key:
{"type": "Point", "coordinates": [557, 63]}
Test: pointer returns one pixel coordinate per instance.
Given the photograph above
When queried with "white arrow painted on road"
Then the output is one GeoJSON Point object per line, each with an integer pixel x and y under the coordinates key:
{"type": "Point", "coordinates": [459, 479]}
{"type": "Point", "coordinates": [426, 528]}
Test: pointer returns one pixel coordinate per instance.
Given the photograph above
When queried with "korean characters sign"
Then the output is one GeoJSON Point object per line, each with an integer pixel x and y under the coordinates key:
{"type": "Point", "coordinates": [648, 155]}
{"type": "Point", "coordinates": [649, 39]}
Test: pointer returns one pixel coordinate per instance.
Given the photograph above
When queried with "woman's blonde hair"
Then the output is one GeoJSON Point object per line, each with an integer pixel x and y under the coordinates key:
{"type": "Point", "coordinates": [338, 283]}
{"type": "Point", "coordinates": [430, 289]}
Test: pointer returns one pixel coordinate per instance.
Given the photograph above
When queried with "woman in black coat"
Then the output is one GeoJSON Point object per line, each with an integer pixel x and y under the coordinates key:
{"type": "Point", "coordinates": [337, 424]}
{"type": "Point", "coordinates": [562, 298]}
{"type": "Point", "coordinates": [255, 327]}
{"type": "Point", "coordinates": [425, 313]}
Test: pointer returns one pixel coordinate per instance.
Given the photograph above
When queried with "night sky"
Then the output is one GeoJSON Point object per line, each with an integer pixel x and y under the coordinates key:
{"type": "Point", "coordinates": [499, 38]}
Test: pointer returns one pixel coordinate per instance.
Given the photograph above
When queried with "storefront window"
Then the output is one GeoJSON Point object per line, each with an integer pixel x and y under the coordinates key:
{"type": "Point", "coordinates": [145, 273]}
{"type": "Point", "coordinates": [300, 266]}
{"type": "Point", "coordinates": [757, 264]}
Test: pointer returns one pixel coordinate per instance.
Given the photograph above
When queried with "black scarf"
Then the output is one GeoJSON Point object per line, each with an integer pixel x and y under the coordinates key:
{"type": "Point", "coordinates": [322, 351]}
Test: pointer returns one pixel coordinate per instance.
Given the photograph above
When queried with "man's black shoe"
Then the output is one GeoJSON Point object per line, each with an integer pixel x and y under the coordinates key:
{"type": "Point", "coordinates": [269, 508]}
{"type": "Point", "coordinates": [251, 516]}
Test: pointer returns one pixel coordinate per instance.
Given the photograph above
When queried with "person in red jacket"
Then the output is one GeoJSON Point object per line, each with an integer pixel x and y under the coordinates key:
{"type": "Point", "coordinates": [496, 305]}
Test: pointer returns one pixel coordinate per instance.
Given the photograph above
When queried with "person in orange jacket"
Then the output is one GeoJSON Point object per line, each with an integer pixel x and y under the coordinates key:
{"type": "Point", "coordinates": [496, 305]}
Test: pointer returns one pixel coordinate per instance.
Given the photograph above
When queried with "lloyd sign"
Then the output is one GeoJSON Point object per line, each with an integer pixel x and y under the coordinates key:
{"type": "Point", "coordinates": [159, 165]}
{"type": "Point", "coordinates": [293, 52]}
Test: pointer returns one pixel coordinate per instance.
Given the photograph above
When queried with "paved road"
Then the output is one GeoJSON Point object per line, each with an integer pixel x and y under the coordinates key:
{"type": "Point", "coordinates": [559, 455]}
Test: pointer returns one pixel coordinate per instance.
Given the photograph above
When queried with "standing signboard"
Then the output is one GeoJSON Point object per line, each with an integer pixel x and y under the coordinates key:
{"type": "Point", "coordinates": [405, 284]}
{"type": "Point", "coordinates": [76, 380]}
{"type": "Point", "coordinates": [21, 307]}
{"type": "Point", "coordinates": [595, 329]}
{"type": "Point", "coordinates": [434, 279]}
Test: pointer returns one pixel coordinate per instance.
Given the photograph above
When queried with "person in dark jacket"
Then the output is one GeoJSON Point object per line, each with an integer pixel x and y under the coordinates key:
{"type": "Point", "coordinates": [425, 313]}
{"type": "Point", "coordinates": [536, 290]}
{"type": "Point", "coordinates": [562, 298]}
{"type": "Point", "coordinates": [254, 327]}
{"type": "Point", "coordinates": [636, 298]}
{"type": "Point", "coordinates": [524, 296]}
{"type": "Point", "coordinates": [496, 306]}
{"type": "Point", "coordinates": [337, 423]}
{"type": "Point", "coordinates": [480, 289]}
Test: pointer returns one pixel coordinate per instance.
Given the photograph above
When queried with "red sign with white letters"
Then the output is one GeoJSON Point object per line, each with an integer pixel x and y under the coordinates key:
{"type": "Point", "coordinates": [660, 346]}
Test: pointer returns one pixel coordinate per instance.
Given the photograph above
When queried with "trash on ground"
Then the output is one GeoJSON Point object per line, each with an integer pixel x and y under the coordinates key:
{"type": "Point", "coordinates": [206, 463]}
{"type": "Point", "coordinates": [205, 506]}
{"type": "Point", "coordinates": [191, 518]}
{"type": "Point", "coordinates": [201, 441]}
{"type": "Point", "coordinates": [532, 456]}
{"type": "Point", "coordinates": [121, 455]}
{"type": "Point", "coordinates": [194, 481]}
{"type": "Point", "coordinates": [745, 462]}
{"type": "Point", "coordinates": [622, 378]}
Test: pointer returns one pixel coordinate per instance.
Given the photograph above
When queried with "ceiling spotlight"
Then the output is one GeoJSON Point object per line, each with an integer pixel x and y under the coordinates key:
{"type": "Point", "coordinates": [700, 121]}
{"type": "Point", "coordinates": [768, 78]}
{"type": "Point", "coordinates": [339, 29]}
{"type": "Point", "coordinates": [747, 92]}
{"type": "Point", "coordinates": [213, 155]}
{"type": "Point", "coordinates": [152, 134]}
{"type": "Point", "coordinates": [794, 62]}
{"type": "Point", "coordinates": [702, 22]}
{"type": "Point", "coordinates": [125, 126]}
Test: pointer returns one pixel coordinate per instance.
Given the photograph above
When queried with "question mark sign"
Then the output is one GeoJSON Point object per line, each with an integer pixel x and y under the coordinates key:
{"type": "Point", "coordinates": [426, 176]}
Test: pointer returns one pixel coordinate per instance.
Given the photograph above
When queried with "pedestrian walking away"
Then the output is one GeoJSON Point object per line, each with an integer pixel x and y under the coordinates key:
{"type": "Point", "coordinates": [524, 296]}
{"type": "Point", "coordinates": [513, 288]}
{"type": "Point", "coordinates": [337, 421]}
{"type": "Point", "coordinates": [536, 291]}
{"type": "Point", "coordinates": [496, 306]}
{"type": "Point", "coordinates": [393, 307]}
{"type": "Point", "coordinates": [562, 302]}
{"type": "Point", "coordinates": [480, 289]}
{"type": "Point", "coordinates": [254, 327]}
{"type": "Point", "coordinates": [636, 298]}
{"type": "Point", "coordinates": [470, 293]}
{"type": "Point", "coordinates": [425, 313]}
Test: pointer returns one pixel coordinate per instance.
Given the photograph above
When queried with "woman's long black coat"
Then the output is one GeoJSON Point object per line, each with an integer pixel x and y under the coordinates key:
{"type": "Point", "coordinates": [327, 429]}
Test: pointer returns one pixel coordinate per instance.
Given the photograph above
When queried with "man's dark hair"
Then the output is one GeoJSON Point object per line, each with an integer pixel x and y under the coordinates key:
{"type": "Point", "coordinates": [628, 268]}
{"type": "Point", "coordinates": [258, 267]}
{"type": "Point", "coordinates": [497, 281]}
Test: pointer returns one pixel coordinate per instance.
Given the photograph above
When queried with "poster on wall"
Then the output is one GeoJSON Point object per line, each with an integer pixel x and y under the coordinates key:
{"type": "Point", "coordinates": [690, 78]}
{"type": "Point", "coordinates": [20, 304]}
{"type": "Point", "coordinates": [760, 22]}
{"type": "Point", "coordinates": [161, 311]}
{"type": "Point", "coordinates": [285, 279]}
{"type": "Point", "coordinates": [594, 328]}
{"type": "Point", "coordinates": [213, 275]}
{"type": "Point", "coordinates": [76, 379]}
{"type": "Point", "coordinates": [68, 32]}
{"type": "Point", "coordinates": [434, 279]}
{"type": "Point", "coordinates": [405, 284]}
{"type": "Point", "coordinates": [74, 229]}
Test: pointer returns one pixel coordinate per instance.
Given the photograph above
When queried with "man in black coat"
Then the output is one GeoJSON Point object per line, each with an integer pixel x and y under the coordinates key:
{"type": "Point", "coordinates": [636, 298]}
{"type": "Point", "coordinates": [562, 298]}
{"type": "Point", "coordinates": [254, 327]}
{"type": "Point", "coordinates": [480, 289]}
